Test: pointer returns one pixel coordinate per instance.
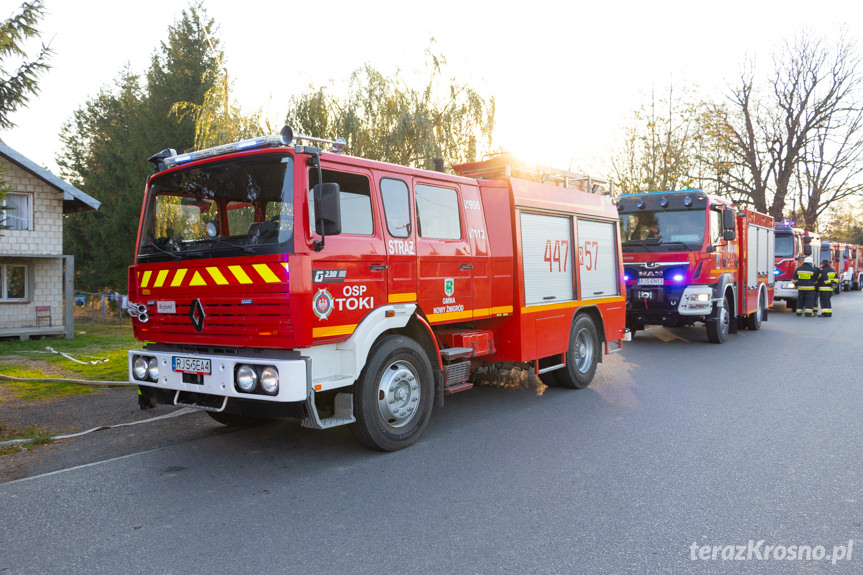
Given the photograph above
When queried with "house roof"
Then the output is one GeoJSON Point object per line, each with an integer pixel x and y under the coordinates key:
{"type": "Point", "coordinates": [74, 200]}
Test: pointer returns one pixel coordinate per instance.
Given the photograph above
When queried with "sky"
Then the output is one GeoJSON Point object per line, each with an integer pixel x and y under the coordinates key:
{"type": "Point", "coordinates": [565, 76]}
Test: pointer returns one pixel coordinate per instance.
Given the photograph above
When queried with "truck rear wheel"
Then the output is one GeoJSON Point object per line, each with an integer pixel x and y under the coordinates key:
{"type": "Point", "coordinates": [394, 394]}
{"type": "Point", "coordinates": [582, 356]}
{"type": "Point", "coordinates": [717, 328]}
{"type": "Point", "coordinates": [754, 320]}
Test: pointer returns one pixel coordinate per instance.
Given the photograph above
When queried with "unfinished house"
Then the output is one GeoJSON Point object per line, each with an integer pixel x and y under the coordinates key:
{"type": "Point", "coordinates": [36, 277]}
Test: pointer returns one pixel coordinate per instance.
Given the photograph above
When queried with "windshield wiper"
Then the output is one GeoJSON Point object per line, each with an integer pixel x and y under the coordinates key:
{"type": "Point", "coordinates": [670, 243]}
{"type": "Point", "coordinates": [174, 256]}
{"type": "Point", "coordinates": [246, 249]}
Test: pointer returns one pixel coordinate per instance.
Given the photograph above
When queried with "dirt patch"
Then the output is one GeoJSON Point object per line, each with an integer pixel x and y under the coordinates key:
{"type": "Point", "coordinates": [103, 407]}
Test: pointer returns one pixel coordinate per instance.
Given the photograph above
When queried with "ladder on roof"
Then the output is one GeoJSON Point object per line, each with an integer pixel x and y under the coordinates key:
{"type": "Point", "coordinates": [508, 166]}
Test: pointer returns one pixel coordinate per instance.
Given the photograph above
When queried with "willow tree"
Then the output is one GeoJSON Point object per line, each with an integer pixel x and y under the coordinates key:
{"type": "Point", "coordinates": [385, 118]}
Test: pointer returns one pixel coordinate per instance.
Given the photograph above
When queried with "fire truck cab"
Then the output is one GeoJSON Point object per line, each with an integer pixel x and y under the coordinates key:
{"type": "Point", "coordinates": [274, 280]}
{"type": "Point", "coordinates": [792, 245]}
{"type": "Point", "coordinates": [691, 257]}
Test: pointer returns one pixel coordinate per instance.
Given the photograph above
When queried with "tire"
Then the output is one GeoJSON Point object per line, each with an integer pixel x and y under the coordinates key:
{"type": "Point", "coordinates": [582, 356]}
{"type": "Point", "coordinates": [717, 328]}
{"type": "Point", "coordinates": [756, 318]}
{"type": "Point", "coordinates": [394, 395]}
{"type": "Point", "coordinates": [234, 420]}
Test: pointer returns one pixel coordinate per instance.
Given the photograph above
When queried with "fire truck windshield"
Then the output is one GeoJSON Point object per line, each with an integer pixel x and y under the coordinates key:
{"type": "Point", "coordinates": [231, 207]}
{"type": "Point", "coordinates": [784, 245]}
{"type": "Point", "coordinates": [663, 231]}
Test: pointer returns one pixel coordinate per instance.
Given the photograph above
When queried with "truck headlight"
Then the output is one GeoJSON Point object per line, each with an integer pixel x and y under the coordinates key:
{"type": "Point", "coordinates": [140, 367]}
{"type": "Point", "coordinates": [270, 380]}
{"type": "Point", "coordinates": [702, 297]}
{"type": "Point", "coordinates": [247, 378]}
{"type": "Point", "coordinates": [153, 369]}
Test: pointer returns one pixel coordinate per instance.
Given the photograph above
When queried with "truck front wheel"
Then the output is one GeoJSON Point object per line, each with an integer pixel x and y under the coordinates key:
{"type": "Point", "coordinates": [717, 327]}
{"type": "Point", "coordinates": [582, 357]}
{"type": "Point", "coordinates": [394, 395]}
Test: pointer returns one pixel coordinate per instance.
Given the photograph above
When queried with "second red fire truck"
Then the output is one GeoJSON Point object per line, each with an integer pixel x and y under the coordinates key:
{"type": "Point", "coordinates": [694, 258]}
{"type": "Point", "coordinates": [274, 279]}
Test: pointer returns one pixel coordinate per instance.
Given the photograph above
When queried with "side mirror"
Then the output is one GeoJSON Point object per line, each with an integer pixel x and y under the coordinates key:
{"type": "Point", "coordinates": [728, 219]}
{"type": "Point", "coordinates": [807, 240]}
{"type": "Point", "coordinates": [728, 223]}
{"type": "Point", "coordinates": [807, 249]}
{"type": "Point", "coordinates": [328, 209]}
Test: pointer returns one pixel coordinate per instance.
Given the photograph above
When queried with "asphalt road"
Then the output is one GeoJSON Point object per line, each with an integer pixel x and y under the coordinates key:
{"type": "Point", "coordinates": [679, 450]}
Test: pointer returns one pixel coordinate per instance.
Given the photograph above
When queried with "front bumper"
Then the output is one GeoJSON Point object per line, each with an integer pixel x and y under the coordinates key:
{"type": "Point", "coordinates": [784, 290]}
{"type": "Point", "coordinates": [294, 374]}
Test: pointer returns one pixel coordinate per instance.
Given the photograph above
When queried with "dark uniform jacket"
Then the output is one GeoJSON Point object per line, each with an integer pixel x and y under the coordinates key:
{"type": "Point", "coordinates": [806, 276]}
{"type": "Point", "coordinates": [827, 278]}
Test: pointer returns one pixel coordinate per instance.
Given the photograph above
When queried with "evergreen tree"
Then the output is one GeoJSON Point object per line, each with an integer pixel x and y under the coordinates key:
{"type": "Point", "coordinates": [108, 141]}
{"type": "Point", "coordinates": [17, 87]}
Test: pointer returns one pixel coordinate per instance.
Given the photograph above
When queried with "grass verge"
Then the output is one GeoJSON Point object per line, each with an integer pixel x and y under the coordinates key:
{"type": "Point", "coordinates": [32, 435]}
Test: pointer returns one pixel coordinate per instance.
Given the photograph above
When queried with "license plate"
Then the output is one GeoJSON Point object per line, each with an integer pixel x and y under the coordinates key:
{"type": "Point", "coordinates": [650, 281]}
{"type": "Point", "coordinates": [191, 365]}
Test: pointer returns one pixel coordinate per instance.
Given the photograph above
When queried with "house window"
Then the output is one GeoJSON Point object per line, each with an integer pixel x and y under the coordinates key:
{"type": "Point", "coordinates": [13, 282]}
{"type": "Point", "coordinates": [18, 214]}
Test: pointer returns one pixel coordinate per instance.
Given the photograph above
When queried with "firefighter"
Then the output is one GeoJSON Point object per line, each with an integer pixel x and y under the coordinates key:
{"type": "Point", "coordinates": [805, 277]}
{"type": "Point", "coordinates": [826, 281]}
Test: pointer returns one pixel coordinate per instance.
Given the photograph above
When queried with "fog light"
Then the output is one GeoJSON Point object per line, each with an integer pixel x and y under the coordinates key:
{"type": "Point", "coordinates": [140, 367]}
{"type": "Point", "coordinates": [247, 378]}
{"type": "Point", "coordinates": [270, 380]}
{"type": "Point", "coordinates": [153, 369]}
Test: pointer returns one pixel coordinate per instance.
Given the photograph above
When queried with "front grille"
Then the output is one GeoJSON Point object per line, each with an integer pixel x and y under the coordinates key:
{"type": "Point", "coordinates": [226, 321]}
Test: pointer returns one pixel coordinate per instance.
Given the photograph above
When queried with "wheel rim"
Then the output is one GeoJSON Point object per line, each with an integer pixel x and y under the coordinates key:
{"type": "Point", "coordinates": [398, 394]}
{"type": "Point", "coordinates": [583, 349]}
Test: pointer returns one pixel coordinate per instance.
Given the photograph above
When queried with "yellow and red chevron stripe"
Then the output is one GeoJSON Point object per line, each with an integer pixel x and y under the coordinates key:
{"type": "Point", "coordinates": [242, 274]}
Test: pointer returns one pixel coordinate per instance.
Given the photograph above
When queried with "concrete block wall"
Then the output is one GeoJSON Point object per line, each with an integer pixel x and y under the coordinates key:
{"type": "Point", "coordinates": [45, 274]}
{"type": "Point", "coordinates": [46, 237]}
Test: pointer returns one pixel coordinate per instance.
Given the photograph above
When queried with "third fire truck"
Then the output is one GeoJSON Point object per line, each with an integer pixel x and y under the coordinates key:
{"type": "Point", "coordinates": [690, 257]}
{"type": "Point", "coordinates": [274, 279]}
{"type": "Point", "coordinates": [792, 245]}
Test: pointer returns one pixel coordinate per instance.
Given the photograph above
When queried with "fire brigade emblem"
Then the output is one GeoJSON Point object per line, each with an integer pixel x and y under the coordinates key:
{"type": "Point", "coordinates": [322, 304]}
{"type": "Point", "coordinates": [448, 286]}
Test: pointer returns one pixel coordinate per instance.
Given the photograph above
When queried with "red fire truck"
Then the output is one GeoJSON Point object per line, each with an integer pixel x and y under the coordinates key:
{"type": "Point", "coordinates": [278, 280]}
{"type": "Point", "coordinates": [836, 254]}
{"type": "Point", "coordinates": [792, 245]}
{"type": "Point", "coordinates": [856, 266]}
{"type": "Point", "coordinates": [690, 257]}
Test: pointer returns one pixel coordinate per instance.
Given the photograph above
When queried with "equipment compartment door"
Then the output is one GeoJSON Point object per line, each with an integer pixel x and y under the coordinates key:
{"type": "Point", "coordinates": [546, 246]}
{"type": "Point", "coordinates": [597, 261]}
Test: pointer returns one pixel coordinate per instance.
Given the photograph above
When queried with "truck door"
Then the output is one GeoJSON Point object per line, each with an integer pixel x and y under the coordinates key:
{"type": "Point", "coordinates": [401, 240]}
{"type": "Point", "coordinates": [349, 276]}
{"type": "Point", "coordinates": [445, 264]}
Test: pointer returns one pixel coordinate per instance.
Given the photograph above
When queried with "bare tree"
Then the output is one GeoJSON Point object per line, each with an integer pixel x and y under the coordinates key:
{"type": "Point", "coordinates": [659, 147]}
{"type": "Point", "coordinates": [799, 136]}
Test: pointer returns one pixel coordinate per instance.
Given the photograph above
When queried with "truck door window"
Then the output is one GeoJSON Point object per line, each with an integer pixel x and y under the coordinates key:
{"type": "Point", "coordinates": [715, 227]}
{"type": "Point", "coordinates": [437, 213]}
{"type": "Point", "coordinates": [355, 200]}
{"type": "Point", "coordinates": [397, 207]}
